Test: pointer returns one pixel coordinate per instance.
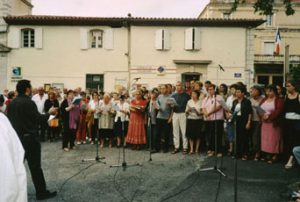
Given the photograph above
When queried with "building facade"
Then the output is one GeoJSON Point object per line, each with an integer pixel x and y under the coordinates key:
{"type": "Point", "coordinates": [110, 53]}
{"type": "Point", "coordinates": [9, 7]}
{"type": "Point", "coordinates": [269, 67]}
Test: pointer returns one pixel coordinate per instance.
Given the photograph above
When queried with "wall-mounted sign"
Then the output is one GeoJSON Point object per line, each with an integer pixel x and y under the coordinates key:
{"type": "Point", "coordinates": [16, 72]}
{"type": "Point", "coordinates": [161, 70]}
{"type": "Point", "coordinates": [237, 75]}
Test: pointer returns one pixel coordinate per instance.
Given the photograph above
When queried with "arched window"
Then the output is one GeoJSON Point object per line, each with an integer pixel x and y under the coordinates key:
{"type": "Point", "coordinates": [96, 38]}
{"type": "Point", "coordinates": [28, 38]}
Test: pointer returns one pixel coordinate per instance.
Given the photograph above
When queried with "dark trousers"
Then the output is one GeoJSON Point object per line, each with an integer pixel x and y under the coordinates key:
{"type": "Point", "coordinates": [53, 133]}
{"type": "Point", "coordinates": [215, 128]}
{"type": "Point", "coordinates": [291, 136]}
{"type": "Point", "coordinates": [43, 126]}
{"type": "Point", "coordinates": [69, 137]}
{"type": "Point", "coordinates": [255, 136]}
{"type": "Point", "coordinates": [242, 138]}
{"type": "Point", "coordinates": [162, 132]}
{"type": "Point", "coordinates": [32, 149]}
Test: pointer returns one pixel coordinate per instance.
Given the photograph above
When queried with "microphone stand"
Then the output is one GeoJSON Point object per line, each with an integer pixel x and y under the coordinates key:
{"type": "Point", "coordinates": [150, 136]}
{"type": "Point", "coordinates": [124, 164]}
{"type": "Point", "coordinates": [98, 158]}
{"type": "Point", "coordinates": [215, 167]}
{"type": "Point", "coordinates": [235, 154]}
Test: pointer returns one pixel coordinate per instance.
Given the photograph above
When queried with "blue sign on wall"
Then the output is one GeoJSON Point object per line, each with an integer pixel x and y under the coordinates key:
{"type": "Point", "coordinates": [237, 75]}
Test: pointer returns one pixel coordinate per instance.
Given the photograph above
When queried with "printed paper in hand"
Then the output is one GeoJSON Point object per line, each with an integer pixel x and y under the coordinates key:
{"type": "Point", "coordinates": [259, 110]}
{"type": "Point", "coordinates": [76, 101]}
{"type": "Point", "coordinates": [224, 105]}
{"type": "Point", "coordinates": [116, 107]}
{"type": "Point", "coordinates": [172, 101]}
{"type": "Point", "coordinates": [51, 117]}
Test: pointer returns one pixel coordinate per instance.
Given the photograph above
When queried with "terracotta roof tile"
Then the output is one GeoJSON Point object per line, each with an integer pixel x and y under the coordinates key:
{"type": "Point", "coordinates": [123, 21]}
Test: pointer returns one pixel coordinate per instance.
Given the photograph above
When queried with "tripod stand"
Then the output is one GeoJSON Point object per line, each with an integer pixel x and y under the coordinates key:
{"type": "Point", "coordinates": [235, 164]}
{"type": "Point", "coordinates": [124, 164]}
{"type": "Point", "coordinates": [150, 137]}
{"type": "Point", "coordinates": [97, 158]}
{"type": "Point", "coordinates": [215, 167]}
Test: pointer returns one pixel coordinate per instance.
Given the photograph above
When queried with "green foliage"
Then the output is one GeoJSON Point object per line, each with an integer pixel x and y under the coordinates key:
{"type": "Point", "coordinates": [295, 75]}
{"type": "Point", "coordinates": [265, 7]}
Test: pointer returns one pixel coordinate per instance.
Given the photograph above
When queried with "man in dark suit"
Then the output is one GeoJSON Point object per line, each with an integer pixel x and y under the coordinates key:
{"type": "Point", "coordinates": [24, 117]}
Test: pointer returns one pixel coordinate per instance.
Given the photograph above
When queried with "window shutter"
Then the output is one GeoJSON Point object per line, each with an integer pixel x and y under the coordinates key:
{"type": "Point", "coordinates": [167, 39]}
{"type": "Point", "coordinates": [38, 37]}
{"type": "Point", "coordinates": [159, 39]}
{"type": "Point", "coordinates": [189, 39]}
{"type": "Point", "coordinates": [84, 45]}
{"type": "Point", "coordinates": [14, 37]}
{"type": "Point", "coordinates": [108, 39]}
{"type": "Point", "coordinates": [196, 39]}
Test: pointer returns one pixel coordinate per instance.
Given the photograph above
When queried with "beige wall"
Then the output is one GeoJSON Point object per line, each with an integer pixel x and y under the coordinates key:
{"type": "Point", "coordinates": [225, 46]}
{"type": "Point", "coordinates": [61, 59]}
{"type": "Point", "coordinates": [290, 25]}
{"type": "Point", "coordinates": [20, 8]}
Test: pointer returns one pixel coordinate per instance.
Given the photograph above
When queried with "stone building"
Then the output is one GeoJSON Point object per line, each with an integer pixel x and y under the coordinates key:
{"type": "Point", "coordinates": [269, 67]}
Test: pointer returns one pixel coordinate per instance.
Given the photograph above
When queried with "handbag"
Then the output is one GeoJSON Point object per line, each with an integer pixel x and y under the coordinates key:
{"type": "Point", "coordinates": [53, 123]}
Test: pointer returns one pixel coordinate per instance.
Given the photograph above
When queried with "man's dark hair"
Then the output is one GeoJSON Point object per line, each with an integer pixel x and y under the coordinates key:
{"type": "Point", "coordinates": [208, 82]}
{"type": "Point", "coordinates": [233, 86]}
{"type": "Point", "coordinates": [70, 91]}
{"type": "Point", "coordinates": [241, 88]}
{"type": "Point", "coordinates": [22, 85]}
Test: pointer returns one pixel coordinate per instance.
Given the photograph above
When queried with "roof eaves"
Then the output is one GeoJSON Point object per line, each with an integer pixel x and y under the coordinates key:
{"type": "Point", "coordinates": [27, 3]}
{"type": "Point", "coordinates": [136, 21]}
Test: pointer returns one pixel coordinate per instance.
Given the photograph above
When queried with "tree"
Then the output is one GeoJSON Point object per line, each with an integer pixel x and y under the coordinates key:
{"type": "Point", "coordinates": [265, 7]}
{"type": "Point", "coordinates": [295, 75]}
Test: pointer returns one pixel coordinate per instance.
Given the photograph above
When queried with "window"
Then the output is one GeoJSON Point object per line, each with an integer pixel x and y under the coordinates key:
{"type": "Point", "coordinates": [96, 38]}
{"type": "Point", "coordinates": [268, 48]}
{"type": "Point", "coordinates": [162, 40]}
{"type": "Point", "coordinates": [192, 39]}
{"type": "Point", "coordinates": [269, 20]}
{"type": "Point", "coordinates": [94, 81]}
{"type": "Point", "coordinates": [28, 38]}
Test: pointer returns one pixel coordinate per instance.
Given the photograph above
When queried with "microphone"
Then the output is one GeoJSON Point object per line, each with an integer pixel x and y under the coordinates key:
{"type": "Point", "coordinates": [221, 68]}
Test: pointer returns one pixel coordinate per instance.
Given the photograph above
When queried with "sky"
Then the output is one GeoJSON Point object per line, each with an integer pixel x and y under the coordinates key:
{"type": "Point", "coordinates": [120, 8]}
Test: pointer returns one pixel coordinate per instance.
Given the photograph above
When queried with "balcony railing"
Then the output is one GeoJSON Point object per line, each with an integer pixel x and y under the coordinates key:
{"type": "Point", "coordinates": [275, 59]}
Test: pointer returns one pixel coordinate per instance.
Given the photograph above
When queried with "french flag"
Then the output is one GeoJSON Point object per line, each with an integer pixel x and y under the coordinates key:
{"type": "Point", "coordinates": [277, 43]}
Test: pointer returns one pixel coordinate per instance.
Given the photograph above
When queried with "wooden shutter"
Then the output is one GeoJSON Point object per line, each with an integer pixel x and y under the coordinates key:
{"type": "Point", "coordinates": [159, 39]}
{"type": "Point", "coordinates": [108, 39]}
{"type": "Point", "coordinates": [84, 42]}
{"type": "Point", "coordinates": [189, 39]}
{"type": "Point", "coordinates": [196, 39]}
{"type": "Point", "coordinates": [14, 37]}
{"type": "Point", "coordinates": [167, 39]}
{"type": "Point", "coordinates": [38, 37]}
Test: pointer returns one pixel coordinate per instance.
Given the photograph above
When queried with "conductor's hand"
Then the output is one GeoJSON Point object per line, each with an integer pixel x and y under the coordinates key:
{"type": "Point", "coordinates": [52, 111]}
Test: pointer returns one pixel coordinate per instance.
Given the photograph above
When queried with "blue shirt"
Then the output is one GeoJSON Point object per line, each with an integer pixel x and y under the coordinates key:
{"type": "Point", "coordinates": [181, 100]}
{"type": "Point", "coordinates": [164, 108]}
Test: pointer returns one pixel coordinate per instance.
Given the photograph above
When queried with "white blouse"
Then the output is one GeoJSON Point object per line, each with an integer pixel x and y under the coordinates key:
{"type": "Point", "coordinates": [126, 107]}
{"type": "Point", "coordinates": [194, 106]}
